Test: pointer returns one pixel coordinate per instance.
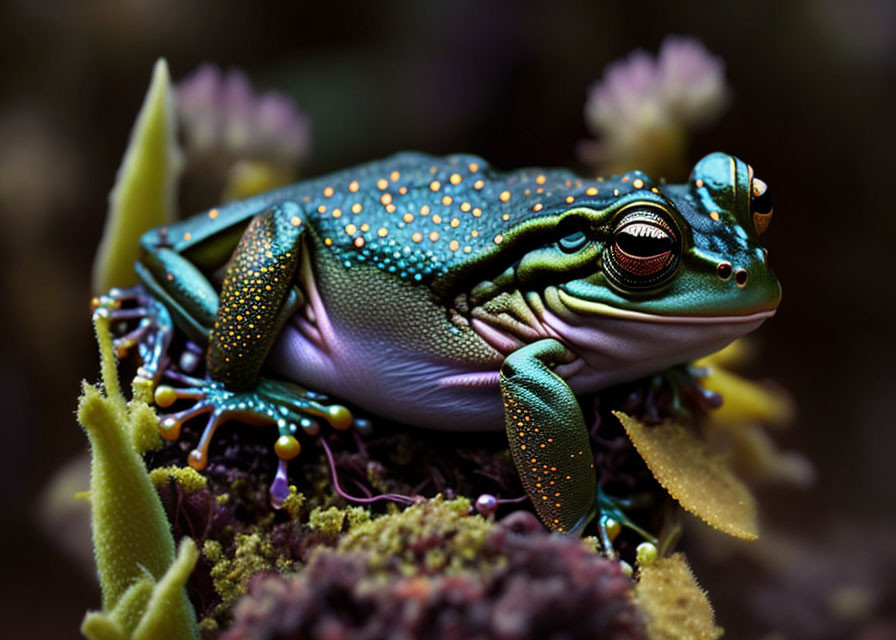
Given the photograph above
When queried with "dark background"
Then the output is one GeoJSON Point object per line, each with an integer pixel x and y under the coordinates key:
{"type": "Point", "coordinates": [812, 111]}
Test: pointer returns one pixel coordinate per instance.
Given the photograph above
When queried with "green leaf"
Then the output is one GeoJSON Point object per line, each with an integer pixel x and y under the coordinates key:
{"type": "Point", "coordinates": [144, 193]}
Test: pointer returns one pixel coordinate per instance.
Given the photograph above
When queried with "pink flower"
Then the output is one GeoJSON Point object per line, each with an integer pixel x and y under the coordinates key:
{"type": "Point", "coordinates": [644, 107]}
{"type": "Point", "coordinates": [220, 113]}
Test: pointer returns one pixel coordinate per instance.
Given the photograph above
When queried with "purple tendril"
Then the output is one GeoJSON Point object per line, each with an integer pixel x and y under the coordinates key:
{"type": "Point", "coordinates": [394, 497]}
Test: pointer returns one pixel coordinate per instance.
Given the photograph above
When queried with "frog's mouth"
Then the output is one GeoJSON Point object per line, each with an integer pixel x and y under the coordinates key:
{"type": "Point", "coordinates": [591, 308]}
{"type": "Point", "coordinates": [618, 345]}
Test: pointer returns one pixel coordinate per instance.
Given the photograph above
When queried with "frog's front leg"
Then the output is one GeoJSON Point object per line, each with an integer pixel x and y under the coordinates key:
{"type": "Point", "coordinates": [548, 439]}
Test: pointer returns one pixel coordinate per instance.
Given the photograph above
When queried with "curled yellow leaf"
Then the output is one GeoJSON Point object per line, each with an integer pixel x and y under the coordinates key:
{"type": "Point", "coordinates": [701, 482]}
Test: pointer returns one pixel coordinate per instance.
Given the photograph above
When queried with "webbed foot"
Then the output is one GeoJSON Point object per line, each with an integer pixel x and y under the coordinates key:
{"type": "Point", "coordinates": [288, 406]}
{"type": "Point", "coordinates": [153, 331]}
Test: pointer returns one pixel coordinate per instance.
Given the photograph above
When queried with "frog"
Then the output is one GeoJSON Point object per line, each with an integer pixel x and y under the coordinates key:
{"type": "Point", "coordinates": [442, 293]}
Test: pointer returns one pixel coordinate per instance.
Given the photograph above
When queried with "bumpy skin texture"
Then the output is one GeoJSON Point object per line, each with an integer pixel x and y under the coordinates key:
{"type": "Point", "coordinates": [256, 283]}
{"type": "Point", "coordinates": [403, 285]}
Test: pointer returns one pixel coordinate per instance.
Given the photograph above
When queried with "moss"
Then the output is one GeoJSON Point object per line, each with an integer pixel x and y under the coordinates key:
{"type": "Point", "coordinates": [357, 516]}
{"type": "Point", "coordinates": [327, 522]}
{"type": "Point", "coordinates": [293, 503]}
{"type": "Point", "coordinates": [188, 478]}
{"type": "Point", "coordinates": [538, 586]}
{"type": "Point", "coordinates": [331, 522]}
{"type": "Point", "coordinates": [207, 625]}
{"type": "Point", "coordinates": [431, 535]}
{"type": "Point", "coordinates": [230, 573]}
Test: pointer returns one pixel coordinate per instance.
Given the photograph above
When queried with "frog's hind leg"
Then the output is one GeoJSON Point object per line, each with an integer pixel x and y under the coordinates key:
{"type": "Point", "coordinates": [258, 294]}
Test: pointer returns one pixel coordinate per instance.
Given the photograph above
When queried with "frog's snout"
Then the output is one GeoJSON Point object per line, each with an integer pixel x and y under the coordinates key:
{"type": "Point", "coordinates": [750, 275]}
{"type": "Point", "coordinates": [725, 269]}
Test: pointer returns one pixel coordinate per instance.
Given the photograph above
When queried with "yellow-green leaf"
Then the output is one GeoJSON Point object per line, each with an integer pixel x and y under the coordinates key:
{"type": "Point", "coordinates": [144, 191]}
{"type": "Point", "coordinates": [703, 483]}
{"type": "Point", "coordinates": [746, 401]}
{"type": "Point", "coordinates": [674, 604]}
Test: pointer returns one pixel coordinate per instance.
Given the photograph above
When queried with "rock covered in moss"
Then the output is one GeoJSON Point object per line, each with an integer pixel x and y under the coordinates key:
{"type": "Point", "coordinates": [433, 571]}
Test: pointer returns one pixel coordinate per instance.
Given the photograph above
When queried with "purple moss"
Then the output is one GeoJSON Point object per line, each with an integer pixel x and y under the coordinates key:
{"type": "Point", "coordinates": [540, 586]}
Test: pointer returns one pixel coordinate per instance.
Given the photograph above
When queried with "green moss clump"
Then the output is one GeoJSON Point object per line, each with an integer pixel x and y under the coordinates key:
{"type": "Point", "coordinates": [252, 553]}
{"type": "Point", "coordinates": [187, 477]}
{"type": "Point", "coordinates": [331, 522]}
{"type": "Point", "coordinates": [293, 503]}
{"type": "Point", "coordinates": [432, 536]}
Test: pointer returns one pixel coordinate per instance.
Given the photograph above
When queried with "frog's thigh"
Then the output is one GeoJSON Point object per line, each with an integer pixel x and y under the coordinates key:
{"type": "Point", "coordinates": [182, 288]}
{"type": "Point", "coordinates": [548, 439]}
{"type": "Point", "coordinates": [256, 296]}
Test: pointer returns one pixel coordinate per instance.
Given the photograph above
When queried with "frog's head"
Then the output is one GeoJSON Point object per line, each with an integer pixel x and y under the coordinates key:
{"type": "Point", "coordinates": [678, 272]}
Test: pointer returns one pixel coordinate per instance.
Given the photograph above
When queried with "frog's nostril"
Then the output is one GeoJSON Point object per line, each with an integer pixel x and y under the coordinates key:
{"type": "Point", "coordinates": [724, 270]}
{"type": "Point", "coordinates": [740, 277]}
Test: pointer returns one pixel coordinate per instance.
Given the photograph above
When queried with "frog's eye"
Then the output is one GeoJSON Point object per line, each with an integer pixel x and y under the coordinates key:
{"type": "Point", "coordinates": [644, 251]}
{"type": "Point", "coordinates": [760, 205]}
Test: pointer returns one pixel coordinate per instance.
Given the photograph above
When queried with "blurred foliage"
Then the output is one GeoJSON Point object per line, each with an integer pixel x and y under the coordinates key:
{"type": "Point", "coordinates": [141, 578]}
{"type": "Point", "coordinates": [144, 192]}
{"type": "Point", "coordinates": [675, 605]}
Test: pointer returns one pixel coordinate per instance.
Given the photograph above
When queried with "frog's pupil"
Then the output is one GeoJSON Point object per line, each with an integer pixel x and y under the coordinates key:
{"type": "Point", "coordinates": [636, 242]}
{"type": "Point", "coordinates": [762, 203]}
{"type": "Point", "coordinates": [572, 242]}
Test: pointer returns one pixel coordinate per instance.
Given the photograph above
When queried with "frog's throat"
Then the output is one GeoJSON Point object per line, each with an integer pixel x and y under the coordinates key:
{"type": "Point", "coordinates": [618, 345]}
{"type": "Point", "coordinates": [587, 307]}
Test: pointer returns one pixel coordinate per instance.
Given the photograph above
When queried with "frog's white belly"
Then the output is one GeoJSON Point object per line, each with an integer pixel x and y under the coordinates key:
{"type": "Point", "coordinates": [392, 382]}
{"type": "Point", "coordinates": [416, 389]}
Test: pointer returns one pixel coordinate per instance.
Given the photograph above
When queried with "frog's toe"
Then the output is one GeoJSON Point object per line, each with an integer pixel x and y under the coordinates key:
{"type": "Point", "coordinates": [303, 407]}
{"type": "Point", "coordinates": [291, 408]}
{"type": "Point", "coordinates": [146, 326]}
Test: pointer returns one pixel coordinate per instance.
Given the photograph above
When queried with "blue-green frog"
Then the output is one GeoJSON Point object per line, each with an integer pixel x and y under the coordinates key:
{"type": "Point", "coordinates": [441, 293]}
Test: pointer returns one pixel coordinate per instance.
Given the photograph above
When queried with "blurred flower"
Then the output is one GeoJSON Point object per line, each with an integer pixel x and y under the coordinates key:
{"type": "Point", "coordinates": [219, 112]}
{"type": "Point", "coordinates": [237, 142]}
{"type": "Point", "coordinates": [644, 107]}
{"type": "Point", "coordinates": [692, 81]}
